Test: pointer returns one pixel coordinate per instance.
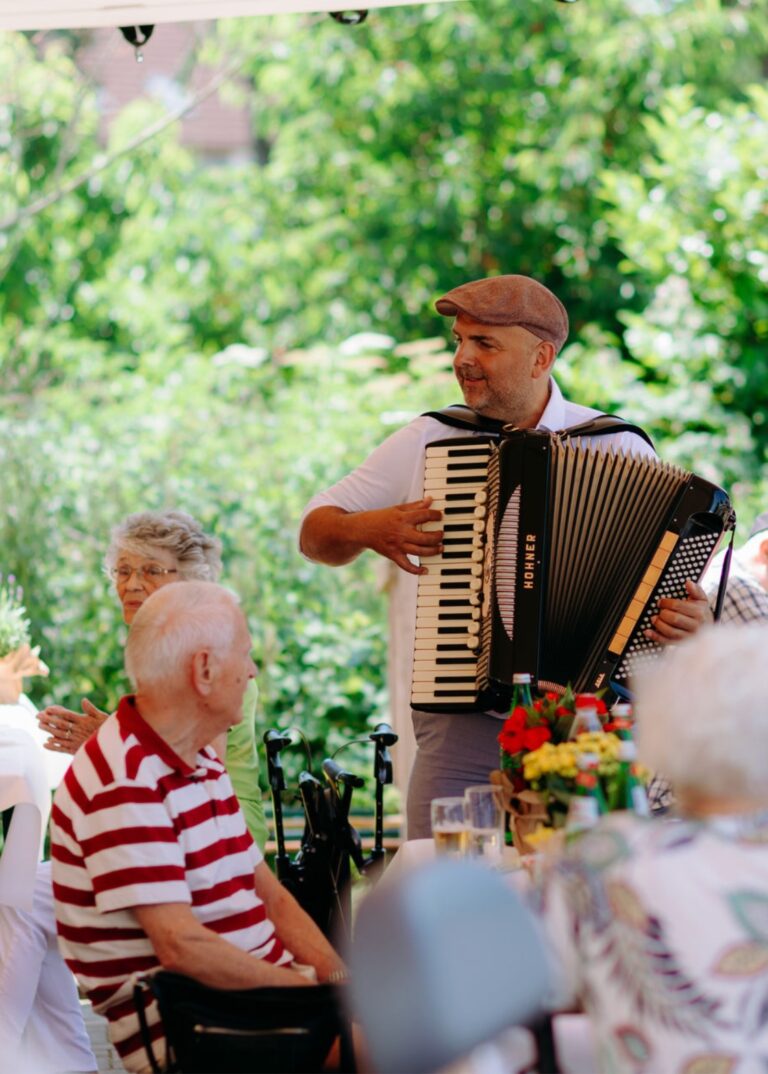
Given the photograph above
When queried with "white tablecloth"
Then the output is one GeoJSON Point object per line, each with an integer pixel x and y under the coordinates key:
{"type": "Point", "coordinates": [415, 852]}
{"type": "Point", "coordinates": [23, 786]}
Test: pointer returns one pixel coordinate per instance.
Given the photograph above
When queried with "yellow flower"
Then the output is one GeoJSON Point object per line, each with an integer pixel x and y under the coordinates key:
{"type": "Point", "coordinates": [540, 836]}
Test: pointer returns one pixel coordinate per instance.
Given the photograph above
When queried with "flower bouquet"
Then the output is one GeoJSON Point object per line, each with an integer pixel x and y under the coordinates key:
{"type": "Point", "coordinates": [14, 625]}
{"type": "Point", "coordinates": [540, 766]}
{"type": "Point", "coordinates": [17, 659]}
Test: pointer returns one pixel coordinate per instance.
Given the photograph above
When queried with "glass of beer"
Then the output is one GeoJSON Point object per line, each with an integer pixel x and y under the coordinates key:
{"type": "Point", "coordinates": [449, 828]}
{"type": "Point", "coordinates": [484, 817]}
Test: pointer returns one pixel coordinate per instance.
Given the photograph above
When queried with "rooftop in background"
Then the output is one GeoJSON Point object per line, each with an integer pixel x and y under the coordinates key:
{"type": "Point", "coordinates": [213, 129]}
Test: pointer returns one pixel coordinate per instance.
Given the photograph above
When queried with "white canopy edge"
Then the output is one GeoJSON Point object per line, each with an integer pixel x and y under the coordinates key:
{"type": "Point", "coordinates": [63, 14]}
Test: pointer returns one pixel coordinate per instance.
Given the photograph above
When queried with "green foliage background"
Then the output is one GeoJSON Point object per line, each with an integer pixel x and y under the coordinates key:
{"type": "Point", "coordinates": [171, 331]}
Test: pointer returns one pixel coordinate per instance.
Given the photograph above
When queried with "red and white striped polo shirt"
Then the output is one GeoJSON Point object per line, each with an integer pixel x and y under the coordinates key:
{"type": "Point", "coordinates": [132, 825]}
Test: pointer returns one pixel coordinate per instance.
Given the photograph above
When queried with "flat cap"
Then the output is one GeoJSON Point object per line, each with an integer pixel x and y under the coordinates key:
{"type": "Point", "coordinates": [510, 300]}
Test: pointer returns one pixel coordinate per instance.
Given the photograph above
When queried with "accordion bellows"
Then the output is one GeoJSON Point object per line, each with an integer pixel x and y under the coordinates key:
{"type": "Point", "coordinates": [555, 555]}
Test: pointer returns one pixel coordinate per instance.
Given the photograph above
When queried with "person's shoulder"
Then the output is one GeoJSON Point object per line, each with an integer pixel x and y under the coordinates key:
{"type": "Point", "coordinates": [432, 428]}
{"type": "Point", "coordinates": [110, 766]}
{"type": "Point", "coordinates": [745, 599]}
{"type": "Point", "coordinates": [613, 842]}
{"type": "Point", "coordinates": [577, 413]}
{"type": "Point", "coordinates": [627, 436]}
{"type": "Point", "coordinates": [421, 430]}
{"type": "Point", "coordinates": [430, 424]}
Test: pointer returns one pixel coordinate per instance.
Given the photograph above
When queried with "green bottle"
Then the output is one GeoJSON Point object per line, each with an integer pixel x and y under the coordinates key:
{"type": "Point", "coordinates": [632, 793]}
{"type": "Point", "coordinates": [588, 803]}
{"type": "Point", "coordinates": [521, 696]}
{"type": "Point", "coordinates": [622, 720]}
{"type": "Point", "coordinates": [521, 690]}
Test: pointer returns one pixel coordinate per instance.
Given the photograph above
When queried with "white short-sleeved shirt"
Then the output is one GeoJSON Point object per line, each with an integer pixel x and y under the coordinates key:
{"type": "Point", "coordinates": [394, 473]}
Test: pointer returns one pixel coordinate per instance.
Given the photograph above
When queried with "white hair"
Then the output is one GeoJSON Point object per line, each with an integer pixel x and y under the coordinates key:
{"type": "Point", "coordinates": [197, 553]}
{"type": "Point", "coordinates": [173, 624]}
{"type": "Point", "coordinates": [702, 712]}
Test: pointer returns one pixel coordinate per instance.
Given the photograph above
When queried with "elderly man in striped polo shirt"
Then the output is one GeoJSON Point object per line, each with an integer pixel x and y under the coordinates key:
{"type": "Point", "coordinates": [153, 864]}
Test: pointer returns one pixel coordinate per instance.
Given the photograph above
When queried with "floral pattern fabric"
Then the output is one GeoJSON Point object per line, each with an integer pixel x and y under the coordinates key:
{"type": "Point", "coordinates": [661, 927]}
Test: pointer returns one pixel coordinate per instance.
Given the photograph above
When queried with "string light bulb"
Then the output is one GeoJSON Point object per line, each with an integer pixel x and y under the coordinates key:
{"type": "Point", "coordinates": [349, 18]}
{"type": "Point", "coordinates": [137, 36]}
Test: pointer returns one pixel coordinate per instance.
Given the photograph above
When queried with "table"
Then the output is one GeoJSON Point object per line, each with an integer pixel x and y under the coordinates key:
{"type": "Point", "coordinates": [415, 852]}
{"type": "Point", "coordinates": [24, 788]}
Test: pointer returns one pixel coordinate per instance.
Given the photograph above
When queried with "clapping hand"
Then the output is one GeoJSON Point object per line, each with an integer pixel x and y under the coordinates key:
{"type": "Point", "coordinates": [68, 729]}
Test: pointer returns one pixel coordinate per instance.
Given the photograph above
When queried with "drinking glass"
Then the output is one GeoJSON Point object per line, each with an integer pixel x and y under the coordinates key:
{"type": "Point", "coordinates": [484, 815]}
{"type": "Point", "coordinates": [449, 828]}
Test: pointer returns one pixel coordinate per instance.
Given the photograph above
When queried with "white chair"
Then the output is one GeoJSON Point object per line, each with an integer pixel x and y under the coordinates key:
{"type": "Point", "coordinates": [41, 1022]}
{"type": "Point", "coordinates": [443, 960]}
{"type": "Point", "coordinates": [23, 788]}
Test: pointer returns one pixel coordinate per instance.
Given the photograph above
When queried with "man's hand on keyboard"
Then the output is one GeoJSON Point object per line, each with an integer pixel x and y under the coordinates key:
{"type": "Point", "coordinates": [395, 532]}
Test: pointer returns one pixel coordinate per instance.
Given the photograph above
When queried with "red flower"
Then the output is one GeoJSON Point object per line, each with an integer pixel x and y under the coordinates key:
{"type": "Point", "coordinates": [511, 736]}
{"type": "Point", "coordinates": [511, 741]}
{"type": "Point", "coordinates": [516, 720]}
{"type": "Point", "coordinates": [533, 737]}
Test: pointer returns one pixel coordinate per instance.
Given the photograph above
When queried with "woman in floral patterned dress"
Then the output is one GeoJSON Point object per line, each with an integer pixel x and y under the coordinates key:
{"type": "Point", "coordinates": [662, 925]}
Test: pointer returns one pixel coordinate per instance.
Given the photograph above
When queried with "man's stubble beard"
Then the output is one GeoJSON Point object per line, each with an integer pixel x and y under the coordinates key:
{"type": "Point", "coordinates": [512, 407]}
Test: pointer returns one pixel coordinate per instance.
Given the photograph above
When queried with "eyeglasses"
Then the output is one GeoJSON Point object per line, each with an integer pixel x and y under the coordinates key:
{"type": "Point", "coordinates": [152, 574]}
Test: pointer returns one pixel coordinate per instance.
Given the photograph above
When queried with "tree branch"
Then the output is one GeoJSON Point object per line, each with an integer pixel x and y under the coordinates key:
{"type": "Point", "coordinates": [101, 163]}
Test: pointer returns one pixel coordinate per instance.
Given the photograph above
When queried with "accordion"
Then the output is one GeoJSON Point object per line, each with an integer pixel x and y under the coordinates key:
{"type": "Point", "coordinates": [555, 555]}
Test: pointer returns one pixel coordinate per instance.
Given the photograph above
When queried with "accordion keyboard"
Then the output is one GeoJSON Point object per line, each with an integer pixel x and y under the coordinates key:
{"type": "Point", "coordinates": [448, 599]}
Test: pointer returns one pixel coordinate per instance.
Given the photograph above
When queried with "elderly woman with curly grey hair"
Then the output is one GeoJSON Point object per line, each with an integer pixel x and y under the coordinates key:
{"type": "Point", "coordinates": [146, 551]}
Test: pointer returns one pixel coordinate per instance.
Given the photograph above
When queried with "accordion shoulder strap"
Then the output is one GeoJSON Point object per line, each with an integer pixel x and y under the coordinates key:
{"type": "Point", "coordinates": [463, 417]}
{"type": "Point", "coordinates": [604, 424]}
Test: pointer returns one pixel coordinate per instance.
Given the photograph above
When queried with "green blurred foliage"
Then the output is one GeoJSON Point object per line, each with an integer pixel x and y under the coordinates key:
{"type": "Point", "coordinates": [241, 441]}
{"type": "Point", "coordinates": [434, 144]}
{"type": "Point", "coordinates": [692, 223]}
{"type": "Point", "coordinates": [170, 330]}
